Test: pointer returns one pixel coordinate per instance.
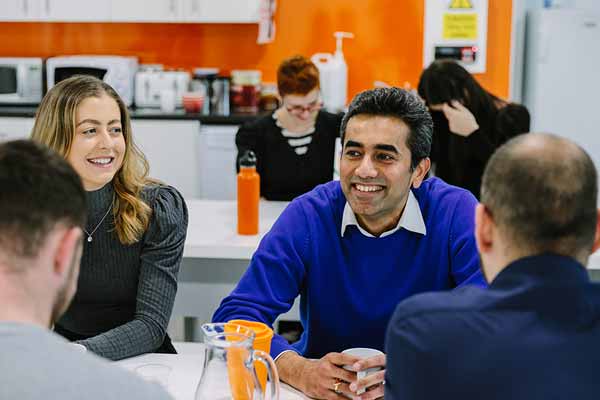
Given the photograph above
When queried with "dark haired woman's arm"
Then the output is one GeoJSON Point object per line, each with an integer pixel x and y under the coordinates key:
{"type": "Point", "coordinates": [160, 258]}
{"type": "Point", "coordinates": [250, 136]}
{"type": "Point", "coordinates": [481, 144]}
{"type": "Point", "coordinates": [512, 120]}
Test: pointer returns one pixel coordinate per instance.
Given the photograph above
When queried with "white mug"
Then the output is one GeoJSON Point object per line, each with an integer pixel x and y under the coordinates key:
{"type": "Point", "coordinates": [362, 352]}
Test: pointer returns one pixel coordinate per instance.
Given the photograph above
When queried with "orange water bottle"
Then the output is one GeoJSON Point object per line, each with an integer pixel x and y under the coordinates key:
{"type": "Point", "coordinates": [248, 195]}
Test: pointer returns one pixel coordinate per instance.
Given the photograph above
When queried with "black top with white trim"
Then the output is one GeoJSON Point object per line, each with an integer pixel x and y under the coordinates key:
{"type": "Point", "coordinates": [290, 164]}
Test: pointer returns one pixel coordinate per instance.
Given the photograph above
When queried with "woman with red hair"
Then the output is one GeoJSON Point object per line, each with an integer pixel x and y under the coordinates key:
{"type": "Point", "coordinates": [294, 145]}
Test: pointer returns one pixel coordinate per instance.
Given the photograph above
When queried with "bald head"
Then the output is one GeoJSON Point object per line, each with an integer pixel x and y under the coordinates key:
{"type": "Point", "coordinates": [549, 149]}
{"type": "Point", "coordinates": [542, 192]}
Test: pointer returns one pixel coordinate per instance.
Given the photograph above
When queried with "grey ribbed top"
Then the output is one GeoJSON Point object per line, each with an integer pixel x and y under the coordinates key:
{"type": "Point", "coordinates": [126, 293]}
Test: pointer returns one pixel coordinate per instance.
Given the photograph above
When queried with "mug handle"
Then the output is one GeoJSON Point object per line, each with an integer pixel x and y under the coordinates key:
{"type": "Point", "coordinates": [272, 375]}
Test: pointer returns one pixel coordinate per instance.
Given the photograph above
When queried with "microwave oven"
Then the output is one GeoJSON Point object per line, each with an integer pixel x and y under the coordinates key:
{"type": "Point", "coordinates": [117, 71]}
{"type": "Point", "coordinates": [21, 80]}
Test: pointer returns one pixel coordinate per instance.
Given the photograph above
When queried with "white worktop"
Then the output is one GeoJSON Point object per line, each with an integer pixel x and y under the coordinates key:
{"type": "Point", "coordinates": [212, 230]}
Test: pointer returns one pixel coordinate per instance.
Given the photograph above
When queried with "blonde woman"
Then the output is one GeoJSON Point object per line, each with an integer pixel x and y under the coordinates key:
{"type": "Point", "coordinates": [135, 230]}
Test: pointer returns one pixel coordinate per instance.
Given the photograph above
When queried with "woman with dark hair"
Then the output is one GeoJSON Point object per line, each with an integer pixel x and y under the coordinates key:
{"type": "Point", "coordinates": [469, 123]}
{"type": "Point", "coordinates": [294, 145]}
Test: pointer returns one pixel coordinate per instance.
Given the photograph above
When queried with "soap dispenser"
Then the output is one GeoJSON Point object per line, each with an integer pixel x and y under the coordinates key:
{"type": "Point", "coordinates": [333, 74]}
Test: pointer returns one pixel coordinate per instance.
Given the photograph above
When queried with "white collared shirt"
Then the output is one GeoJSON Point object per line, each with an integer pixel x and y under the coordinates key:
{"type": "Point", "coordinates": [411, 219]}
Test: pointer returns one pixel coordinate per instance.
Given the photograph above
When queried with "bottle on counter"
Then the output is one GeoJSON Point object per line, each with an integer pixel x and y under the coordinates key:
{"type": "Point", "coordinates": [248, 195]}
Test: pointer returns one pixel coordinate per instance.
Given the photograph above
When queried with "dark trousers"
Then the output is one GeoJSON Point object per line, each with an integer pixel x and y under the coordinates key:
{"type": "Point", "coordinates": [165, 347]}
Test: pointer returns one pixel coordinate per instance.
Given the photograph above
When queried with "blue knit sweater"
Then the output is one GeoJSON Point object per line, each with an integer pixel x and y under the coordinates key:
{"type": "Point", "coordinates": [350, 285]}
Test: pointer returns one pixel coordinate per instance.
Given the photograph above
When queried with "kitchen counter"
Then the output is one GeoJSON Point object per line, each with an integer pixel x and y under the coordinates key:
{"type": "Point", "coordinates": [147, 113]}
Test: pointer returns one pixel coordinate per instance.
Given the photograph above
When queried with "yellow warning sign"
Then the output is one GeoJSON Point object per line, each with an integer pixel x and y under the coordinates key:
{"type": "Point", "coordinates": [460, 4]}
{"type": "Point", "coordinates": [460, 26]}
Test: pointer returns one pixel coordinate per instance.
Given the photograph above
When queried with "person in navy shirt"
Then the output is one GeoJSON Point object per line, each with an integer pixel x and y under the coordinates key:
{"type": "Point", "coordinates": [355, 248]}
{"type": "Point", "coordinates": [534, 333]}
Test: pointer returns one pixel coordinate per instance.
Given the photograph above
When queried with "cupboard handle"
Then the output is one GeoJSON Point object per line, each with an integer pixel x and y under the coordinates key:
{"type": "Point", "coordinates": [172, 6]}
{"type": "Point", "coordinates": [25, 7]}
{"type": "Point", "coordinates": [47, 7]}
{"type": "Point", "coordinates": [194, 6]}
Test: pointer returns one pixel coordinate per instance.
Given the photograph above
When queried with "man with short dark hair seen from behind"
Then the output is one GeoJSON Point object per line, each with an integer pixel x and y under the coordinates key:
{"type": "Point", "coordinates": [535, 332]}
{"type": "Point", "coordinates": [42, 214]}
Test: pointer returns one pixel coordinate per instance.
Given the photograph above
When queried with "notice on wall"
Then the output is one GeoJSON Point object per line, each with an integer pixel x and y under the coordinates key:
{"type": "Point", "coordinates": [460, 26]}
{"type": "Point", "coordinates": [460, 4]}
{"type": "Point", "coordinates": [456, 29]}
{"type": "Point", "coordinates": [266, 24]}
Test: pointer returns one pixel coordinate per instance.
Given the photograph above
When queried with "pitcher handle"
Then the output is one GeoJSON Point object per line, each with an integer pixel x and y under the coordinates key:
{"type": "Point", "coordinates": [272, 375]}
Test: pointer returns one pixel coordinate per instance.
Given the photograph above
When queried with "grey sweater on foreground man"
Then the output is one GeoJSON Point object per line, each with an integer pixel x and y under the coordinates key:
{"type": "Point", "coordinates": [125, 294]}
{"type": "Point", "coordinates": [36, 364]}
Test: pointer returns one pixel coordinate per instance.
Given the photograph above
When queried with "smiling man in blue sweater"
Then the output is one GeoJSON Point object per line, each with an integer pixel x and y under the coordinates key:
{"type": "Point", "coordinates": [353, 249]}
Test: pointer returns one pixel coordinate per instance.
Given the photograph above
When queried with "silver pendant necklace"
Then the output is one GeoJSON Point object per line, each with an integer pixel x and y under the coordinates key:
{"type": "Point", "coordinates": [89, 234]}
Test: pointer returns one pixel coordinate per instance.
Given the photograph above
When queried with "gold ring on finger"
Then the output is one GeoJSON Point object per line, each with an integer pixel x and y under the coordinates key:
{"type": "Point", "coordinates": [336, 386]}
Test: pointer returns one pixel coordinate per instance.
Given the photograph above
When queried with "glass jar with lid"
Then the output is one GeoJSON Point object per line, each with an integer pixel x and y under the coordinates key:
{"type": "Point", "coordinates": [245, 90]}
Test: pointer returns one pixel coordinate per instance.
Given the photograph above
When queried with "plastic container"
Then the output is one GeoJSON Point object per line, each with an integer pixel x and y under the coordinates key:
{"type": "Point", "coordinates": [333, 75]}
{"type": "Point", "coordinates": [248, 195]}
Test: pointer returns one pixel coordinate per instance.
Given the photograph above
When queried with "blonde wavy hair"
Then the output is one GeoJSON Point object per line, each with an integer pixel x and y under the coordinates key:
{"type": "Point", "coordinates": [55, 127]}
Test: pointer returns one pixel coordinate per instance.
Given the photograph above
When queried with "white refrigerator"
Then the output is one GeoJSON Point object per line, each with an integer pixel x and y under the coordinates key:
{"type": "Point", "coordinates": [562, 75]}
{"type": "Point", "coordinates": [561, 86]}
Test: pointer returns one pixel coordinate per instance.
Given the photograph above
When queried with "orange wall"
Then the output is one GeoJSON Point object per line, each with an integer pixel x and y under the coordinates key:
{"type": "Point", "coordinates": [387, 45]}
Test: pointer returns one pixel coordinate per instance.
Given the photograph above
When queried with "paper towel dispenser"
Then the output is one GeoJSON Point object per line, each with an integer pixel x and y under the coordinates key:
{"type": "Point", "coordinates": [464, 54]}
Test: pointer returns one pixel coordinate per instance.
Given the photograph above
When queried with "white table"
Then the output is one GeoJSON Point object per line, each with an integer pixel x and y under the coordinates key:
{"type": "Point", "coordinates": [186, 370]}
{"type": "Point", "coordinates": [215, 256]}
{"type": "Point", "coordinates": [212, 229]}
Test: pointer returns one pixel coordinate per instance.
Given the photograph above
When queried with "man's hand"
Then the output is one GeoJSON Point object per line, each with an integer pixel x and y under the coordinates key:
{"type": "Point", "coordinates": [320, 379]}
{"type": "Point", "coordinates": [373, 382]}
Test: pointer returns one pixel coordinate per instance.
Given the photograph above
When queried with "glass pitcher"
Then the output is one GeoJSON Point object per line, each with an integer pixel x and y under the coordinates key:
{"type": "Point", "coordinates": [228, 371]}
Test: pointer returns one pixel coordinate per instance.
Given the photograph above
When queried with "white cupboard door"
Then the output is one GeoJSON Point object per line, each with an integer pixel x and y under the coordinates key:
{"type": "Point", "coordinates": [191, 10]}
{"type": "Point", "coordinates": [217, 160]}
{"type": "Point", "coordinates": [173, 150]}
{"type": "Point", "coordinates": [13, 128]}
{"type": "Point", "coordinates": [222, 11]}
{"type": "Point", "coordinates": [201, 11]}
{"type": "Point", "coordinates": [20, 10]}
{"type": "Point", "coordinates": [75, 10]}
{"type": "Point", "coordinates": [146, 10]}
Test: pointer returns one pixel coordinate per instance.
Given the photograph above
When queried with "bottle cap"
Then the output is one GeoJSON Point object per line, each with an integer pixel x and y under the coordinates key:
{"type": "Point", "coordinates": [248, 159]}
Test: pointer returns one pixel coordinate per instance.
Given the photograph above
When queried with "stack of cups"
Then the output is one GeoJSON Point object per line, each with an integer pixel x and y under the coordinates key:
{"type": "Point", "coordinates": [262, 341]}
